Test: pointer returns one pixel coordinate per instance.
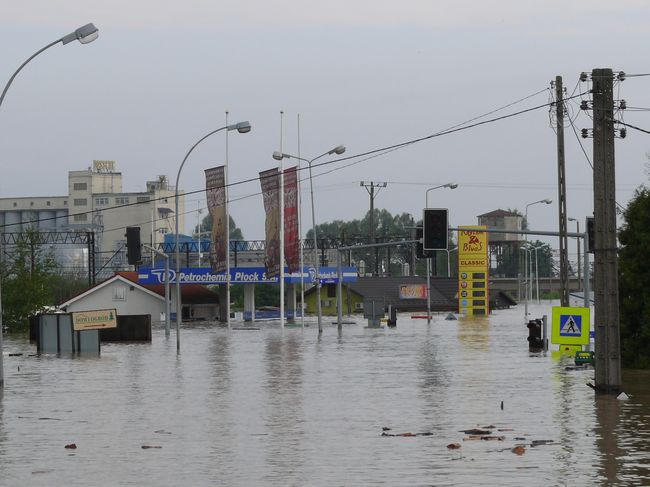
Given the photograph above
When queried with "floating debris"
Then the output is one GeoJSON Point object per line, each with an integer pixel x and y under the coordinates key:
{"type": "Point", "coordinates": [541, 442]}
{"type": "Point", "coordinates": [453, 446]}
{"type": "Point", "coordinates": [519, 450]}
{"type": "Point", "coordinates": [622, 397]}
{"type": "Point", "coordinates": [146, 447]}
{"type": "Point", "coordinates": [407, 434]}
{"type": "Point", "coordinates": [15, 354]}
{"type": "Point", "coordinates": [519, 438]}
{"type": "Point", "coordinates": [385, 428]}
{"type": "Point", "coordinates": [163, 432]}
{"type": "Point", "coordinates": [71, 446]}
{"type": "Point", "coordinates": [484, 437]}
{"type": "Point", "coordinates": [477, 431]}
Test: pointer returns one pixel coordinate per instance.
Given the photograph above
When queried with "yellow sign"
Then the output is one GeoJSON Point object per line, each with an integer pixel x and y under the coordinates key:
{"type": "Point", "coordinates": [94, 320]}
{"type": "Point", "coordinates": [473, 271]}
{"type": "Point", "coordinates": [570, 325]}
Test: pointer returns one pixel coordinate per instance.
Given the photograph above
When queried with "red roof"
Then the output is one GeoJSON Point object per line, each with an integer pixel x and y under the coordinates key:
{"type": "Point", "coordinates": [190, 293]}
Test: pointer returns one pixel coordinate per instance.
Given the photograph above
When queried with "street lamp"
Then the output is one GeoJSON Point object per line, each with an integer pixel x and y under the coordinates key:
{"type": "Point", "coordinates": [278, 156]}
{"type": "Point", "coordinates": [426, 205]}
{"type": "Point", "coordinates": [84, 34]}
{"type": "Point", "coordinates": [242, 128]}
{"type": "Point", "coordinates": [578, 244]}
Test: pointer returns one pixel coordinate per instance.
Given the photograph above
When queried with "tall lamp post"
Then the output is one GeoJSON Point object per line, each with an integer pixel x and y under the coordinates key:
{"type": "Point", "coordinates": [242, 128]}
{"type": "Point", "coordinates": [278, 156]}
{"type": "Point", "coordinates": [426, 205]}
{"type": "Point", "coordinates": [84, 34]}
{"type": "Point", "coordinates": [578, 244]}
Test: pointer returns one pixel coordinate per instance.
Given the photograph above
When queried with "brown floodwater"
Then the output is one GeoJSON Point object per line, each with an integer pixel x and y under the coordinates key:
{"type": "Point", "coordinates": [287, 408]}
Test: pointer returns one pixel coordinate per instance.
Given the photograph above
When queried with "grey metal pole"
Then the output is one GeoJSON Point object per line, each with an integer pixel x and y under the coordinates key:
{"type": "Point", "coordinates": [428, 290]}
{"type": "Point", "coordinates": [585, 271]}
{"type": "Point", "coordinates": [167, 296]}
{"type": "Point", "coordinates": [339, 290]}
{"type": "Point", "coordinates": [316, 264]}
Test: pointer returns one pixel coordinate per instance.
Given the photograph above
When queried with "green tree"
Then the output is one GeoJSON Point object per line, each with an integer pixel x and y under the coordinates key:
{"type": "Point", "coordinates": [633, 278]}
{"type": "Point", "coordinates": [206, 227]}
{"type": "Point", "coordinates": [29, 275]}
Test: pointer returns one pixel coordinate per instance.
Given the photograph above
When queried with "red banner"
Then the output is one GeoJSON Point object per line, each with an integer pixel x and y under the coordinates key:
{"type": "Point", "coordinates": [291, 237]}
{"type": "Point", "coordinates": [270, 182]}
{"type": "Point", "coordinates": [215, 186]}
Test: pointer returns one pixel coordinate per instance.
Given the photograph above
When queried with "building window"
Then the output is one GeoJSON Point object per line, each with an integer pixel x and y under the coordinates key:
{"type": "Point", "coordinates": [122, 200]}
{"type": "Point", "coordinates": [80, 201]}
{"type": "Point", "coordinates": [48, 203]}
{"type": "Point", "coordinates": [65, 203]}
{"type": "Point", "coordinates": [80, 186]}
{"type": "Point", "coordinates": [326, 303]}
{"type": "Point", "coordinates": [80, 218]}
{"type": "Point", "coordinates": [163, 230]}
{"type": "Point", "coordinates": [101, 201]}
{"type": "Point", "coordinates": [31, 203]}
{"type": "Point", "coordinates": [119, 293]}
{"type": "Point", "coordinates": [143, 199]}
{"type": "Point", "coordinates": [15, 204]}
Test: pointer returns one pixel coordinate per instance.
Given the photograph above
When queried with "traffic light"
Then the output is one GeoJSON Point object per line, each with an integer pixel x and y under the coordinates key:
{"type": "Point", "coordinates": [591, 238]}
{"type": "Point", "coordinates": [436, 229]}
{"type": "Point", "coordinates": [133, 251]}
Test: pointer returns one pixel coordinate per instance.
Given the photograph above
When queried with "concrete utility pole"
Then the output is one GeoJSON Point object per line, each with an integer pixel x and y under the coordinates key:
{"type": "Point", "coordinates": [561, 187]}
{"type": "Point", "coordinates": [372, 185]}
{"type": "Point", "coordinates": [606, 319]}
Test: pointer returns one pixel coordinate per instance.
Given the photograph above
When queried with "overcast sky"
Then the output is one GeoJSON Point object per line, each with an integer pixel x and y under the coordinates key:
{"type": "Point", "coordinates": [364, 73]}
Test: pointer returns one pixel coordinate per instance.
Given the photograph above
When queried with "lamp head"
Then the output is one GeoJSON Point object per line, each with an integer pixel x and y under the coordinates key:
{"type": "Point", "coordinates": [547, 201]}
{"type": "Point", "coordinates": [339, 149]}
{"type": "Point", "coordinates": [243, 127]}
{"type": "Point", "coordinates": [84, 34]}
{"type": "Point", "coordinates": [452, 185]}
{"type": "Point", "coordinates": [278, 156]}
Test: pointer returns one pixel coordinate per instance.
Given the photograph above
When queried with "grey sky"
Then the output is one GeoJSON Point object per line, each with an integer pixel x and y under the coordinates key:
{"type": "Point", "coordinates": [366, 74]}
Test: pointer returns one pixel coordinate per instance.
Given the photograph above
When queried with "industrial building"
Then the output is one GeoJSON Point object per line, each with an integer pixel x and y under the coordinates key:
{"type": "Point", "coordinates": [96, 202]}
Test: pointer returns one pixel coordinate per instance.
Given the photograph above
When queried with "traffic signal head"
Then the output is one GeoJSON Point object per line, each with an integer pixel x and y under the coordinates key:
{"type": "Point", "coordinates": [435, 229]}
{"type": "Point", "coordinates": [133, 249]}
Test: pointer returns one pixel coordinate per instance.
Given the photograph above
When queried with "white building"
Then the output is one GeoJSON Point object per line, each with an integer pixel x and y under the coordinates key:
{"type": "Point", "coordinates": [97, 202]}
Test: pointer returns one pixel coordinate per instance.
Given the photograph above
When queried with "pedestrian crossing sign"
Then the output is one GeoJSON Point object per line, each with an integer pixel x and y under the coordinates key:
{"type": "Point", "coordinates": [570, 325]}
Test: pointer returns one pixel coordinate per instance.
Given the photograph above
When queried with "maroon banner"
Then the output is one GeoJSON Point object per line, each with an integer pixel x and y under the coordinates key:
{"type": "Point", "coordinates": [270, 183]}
{"type": "Point", "coordinates": [215, 191]}
{"type": "Point", "coordinates": [291, 237]}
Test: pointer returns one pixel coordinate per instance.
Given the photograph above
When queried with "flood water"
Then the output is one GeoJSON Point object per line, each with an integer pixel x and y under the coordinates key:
{"type": "Point", "coordinates": [286, 408]}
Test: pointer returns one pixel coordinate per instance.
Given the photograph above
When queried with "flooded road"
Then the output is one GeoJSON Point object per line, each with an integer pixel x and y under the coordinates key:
{"type": "Point", "coordinates": [283, 408]}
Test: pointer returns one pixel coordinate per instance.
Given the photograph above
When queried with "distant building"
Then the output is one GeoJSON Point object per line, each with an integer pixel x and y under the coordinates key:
{"type": "Point", "coordinates": [96, 202]}
{"type": "Point", "coordinates": [503, 248]}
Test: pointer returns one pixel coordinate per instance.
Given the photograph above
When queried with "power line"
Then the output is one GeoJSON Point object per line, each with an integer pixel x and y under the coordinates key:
{"type": "Point", "coordinates": [375, 152]}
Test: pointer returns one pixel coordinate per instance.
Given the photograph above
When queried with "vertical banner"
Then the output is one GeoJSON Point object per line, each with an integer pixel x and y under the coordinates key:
{"type": "Point", "coordinates": [291, 237]}
{"type": "Point", "coordinates": [215, 190]}
{"type": "Point", "coordinates": [270, 182]}
{"type": "Point", "coordinates": [473, 270]}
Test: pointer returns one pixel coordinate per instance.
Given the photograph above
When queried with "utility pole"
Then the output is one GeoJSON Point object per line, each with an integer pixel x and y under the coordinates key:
{"type": "Point", "coordinates": [561, 187]}
{"type": "Point", "coordinates": [606, 319]}
{"type": "Point", "coordinates": [370, 187]}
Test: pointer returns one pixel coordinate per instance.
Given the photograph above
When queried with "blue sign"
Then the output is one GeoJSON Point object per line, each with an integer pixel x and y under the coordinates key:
{"type": "Point", "coordinates": [243, 275]}
{"type": "Point", "coordinates": [570, 325]}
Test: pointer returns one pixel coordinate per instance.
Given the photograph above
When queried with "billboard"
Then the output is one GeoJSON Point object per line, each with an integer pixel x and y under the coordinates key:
{"type": "Point", "coordinates": [473, 271]}
{"type": "Point", "coordinates": [291, 237]}
{"type": "Point", "coordinates": [270, 182]}
{"type": "Point", "coordinates": [215, 191]}
{"type": "Point", "coordinates": [94, 320]}
{"type": "Point", "coordinates": [413, 291]}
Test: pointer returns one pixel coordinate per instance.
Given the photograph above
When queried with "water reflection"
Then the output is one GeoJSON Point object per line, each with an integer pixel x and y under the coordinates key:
{"type": "Point", "coordinates": [287, 407]}
{"type": "Point", "coordinates": [284, 415]}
